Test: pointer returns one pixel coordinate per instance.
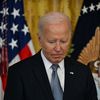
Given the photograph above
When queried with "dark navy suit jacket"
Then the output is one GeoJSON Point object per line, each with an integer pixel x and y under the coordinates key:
{"type": "Point", "coordinates": [27, 80]}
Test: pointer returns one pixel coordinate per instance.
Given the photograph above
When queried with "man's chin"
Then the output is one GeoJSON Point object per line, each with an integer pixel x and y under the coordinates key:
{"type": "Point", "coordinates": [56, 60]}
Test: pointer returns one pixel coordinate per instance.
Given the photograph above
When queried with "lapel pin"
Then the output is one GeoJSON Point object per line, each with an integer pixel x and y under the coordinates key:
{"type": "Point", "coordinates": [71, 73]}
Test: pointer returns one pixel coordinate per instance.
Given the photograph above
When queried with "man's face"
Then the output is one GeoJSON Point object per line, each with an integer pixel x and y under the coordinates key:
{"type": "Point", "coordinates": [54, 41]}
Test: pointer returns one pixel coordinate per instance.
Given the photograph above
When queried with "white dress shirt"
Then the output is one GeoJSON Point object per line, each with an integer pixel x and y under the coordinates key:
{"type": "Point", "coordinates": [60, 71]}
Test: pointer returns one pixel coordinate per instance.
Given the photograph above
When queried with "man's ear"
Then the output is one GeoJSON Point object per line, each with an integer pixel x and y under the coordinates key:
{"type": "Point", "coordinates": [39, 38]}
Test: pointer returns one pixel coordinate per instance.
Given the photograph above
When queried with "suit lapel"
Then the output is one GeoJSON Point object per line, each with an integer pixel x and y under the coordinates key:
{"type": "Point", "coordinates": [69, 76]}
{"type": "Point", "coordinates": [67, 79]}
{"type": "Point", "coordinates": [42, 78]}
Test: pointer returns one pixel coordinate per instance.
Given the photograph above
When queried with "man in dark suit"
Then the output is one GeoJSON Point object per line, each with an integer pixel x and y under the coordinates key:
{"type": "Point", "coordinates": [31, 79]}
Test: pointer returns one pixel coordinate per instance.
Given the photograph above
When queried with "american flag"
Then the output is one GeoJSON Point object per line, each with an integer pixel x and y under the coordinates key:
{"type": "Point", "coordinates": [15, 40]}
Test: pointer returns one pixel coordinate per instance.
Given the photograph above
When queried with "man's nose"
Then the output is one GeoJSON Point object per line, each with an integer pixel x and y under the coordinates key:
{"type": "Point", "coordinates": [58, 46]}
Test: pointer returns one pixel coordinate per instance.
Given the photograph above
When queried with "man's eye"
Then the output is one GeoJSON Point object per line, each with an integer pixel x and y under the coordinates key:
{"type": "Point", "coordinates": [63, 41]}
{"type": "Point", "coordinates": [51, 41]}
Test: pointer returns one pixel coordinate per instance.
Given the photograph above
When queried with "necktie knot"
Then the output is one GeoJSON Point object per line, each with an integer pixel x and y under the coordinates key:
{"type": "Point", "coordinates": [55, 67]}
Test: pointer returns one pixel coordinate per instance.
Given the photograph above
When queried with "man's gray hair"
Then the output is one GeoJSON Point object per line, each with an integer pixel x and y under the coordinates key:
{"type": "Point", "coordinates": [53, 18]}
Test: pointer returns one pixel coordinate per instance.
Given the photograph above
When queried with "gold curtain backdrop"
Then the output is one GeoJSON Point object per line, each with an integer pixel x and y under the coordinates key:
{"type": "Point", "coordinates": [35, 8]}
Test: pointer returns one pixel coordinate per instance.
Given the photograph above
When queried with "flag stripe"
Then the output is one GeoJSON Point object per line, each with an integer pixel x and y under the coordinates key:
{"type": "Point", "coordinates": [1, 90]}
{"type": "Point", "coordinates": [14, 60]}
{"type": "Point", "coordinates": [30, 45]}
{"type": "Point", "coordinates": [24, 53]}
